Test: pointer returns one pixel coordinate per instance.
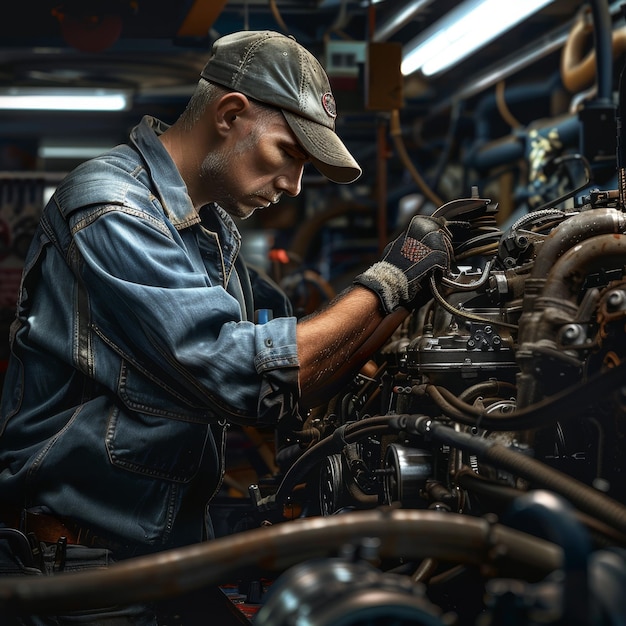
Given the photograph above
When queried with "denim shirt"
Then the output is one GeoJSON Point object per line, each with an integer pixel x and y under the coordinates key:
{"type": "Point", "coordinates": [132, 348]}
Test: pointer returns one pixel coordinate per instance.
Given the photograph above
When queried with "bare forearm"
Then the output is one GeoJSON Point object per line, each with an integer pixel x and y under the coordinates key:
{"type": "Point", "coordinates": [332, 340]}
{"type": "Point", "coordinates": [335, 343]}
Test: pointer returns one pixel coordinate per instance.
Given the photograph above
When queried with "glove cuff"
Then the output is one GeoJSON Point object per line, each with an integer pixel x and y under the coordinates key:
{"type": "Point", "coordinates": [388, 282]}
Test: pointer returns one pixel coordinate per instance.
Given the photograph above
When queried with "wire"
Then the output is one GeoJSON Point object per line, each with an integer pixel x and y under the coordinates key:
{"type": "Point", "coordinates": [277, 16]}
{"type": "Point", "coordinates": [537, 415]}
{"type": "Point", "coordinates": [503, 108]}
{"type": "Point", "coordinates": [465, 314]}
{"type": "Point", "coordinates": [396, 134]}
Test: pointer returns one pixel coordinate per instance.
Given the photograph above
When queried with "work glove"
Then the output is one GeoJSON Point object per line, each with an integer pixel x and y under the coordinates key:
{"type": "Point", "coordinates": [423, 248]}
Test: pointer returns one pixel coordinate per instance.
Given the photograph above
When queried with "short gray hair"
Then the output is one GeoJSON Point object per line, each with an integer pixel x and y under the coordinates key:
{"type": "Point", "coordinates": [205, 94]}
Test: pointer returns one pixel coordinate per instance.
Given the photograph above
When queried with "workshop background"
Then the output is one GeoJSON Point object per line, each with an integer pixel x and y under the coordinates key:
{"type": "Point", "coordinates": [517, 363]}
{"type": "Point", "coordinates": [421, 140]}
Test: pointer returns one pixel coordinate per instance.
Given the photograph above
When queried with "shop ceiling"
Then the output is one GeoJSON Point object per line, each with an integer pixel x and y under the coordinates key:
{"type": "Point", "coordinates": [156, 48]}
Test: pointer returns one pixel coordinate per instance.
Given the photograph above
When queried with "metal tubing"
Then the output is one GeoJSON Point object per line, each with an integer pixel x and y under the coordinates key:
{"type": "Point", "coordinates": [574, 230]}
{"type": "Point", "coordinates": [402, 533]}
{"type": "Point", "coordinates": [602, 28]}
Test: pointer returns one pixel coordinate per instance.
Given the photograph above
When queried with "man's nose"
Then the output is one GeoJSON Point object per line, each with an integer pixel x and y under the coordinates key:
{"type": "Point", "coordinates": [291, 181]}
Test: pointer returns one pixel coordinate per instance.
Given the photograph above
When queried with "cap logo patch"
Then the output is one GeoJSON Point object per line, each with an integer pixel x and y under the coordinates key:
{"type": "Point", "coordinates": [328, 102]}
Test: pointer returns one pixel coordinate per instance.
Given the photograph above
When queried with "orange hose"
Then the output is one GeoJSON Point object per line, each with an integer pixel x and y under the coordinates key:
{"type": "Point", "coordinates": [578, 72]}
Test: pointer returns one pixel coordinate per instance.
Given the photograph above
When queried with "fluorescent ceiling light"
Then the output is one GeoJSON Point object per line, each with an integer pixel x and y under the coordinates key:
{"type": "Point", "coordinates": [71, 149]}
{"type": "Point", "coordinates": [463, 30]}
{"type": "Point", "coordinates": [57, 99]}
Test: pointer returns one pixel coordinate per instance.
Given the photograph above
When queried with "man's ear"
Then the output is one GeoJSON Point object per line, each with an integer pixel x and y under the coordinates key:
{"type": "Point", "coordinates": [228, 108]}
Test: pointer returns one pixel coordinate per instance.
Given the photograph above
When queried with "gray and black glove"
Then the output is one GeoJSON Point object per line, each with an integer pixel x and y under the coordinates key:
{"type": "Point", "coordinates": [424, 247]}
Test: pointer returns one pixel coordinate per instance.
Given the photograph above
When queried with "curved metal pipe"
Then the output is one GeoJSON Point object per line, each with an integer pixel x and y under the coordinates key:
{"type": "Point", "coordinates": [565, 236]}
{"type": "Point", "coordinates": [574, 230]}
{"type": "Point", "coordinates": [577, 69]}
{"type": "Point", "coordinates": [551, 302]}
{"type": "Point", "coordinates": [556, 304]}
{"type": "Point", "coordinates": [402, 533]}
{"type": "Point", "coordinates": [566, 278]}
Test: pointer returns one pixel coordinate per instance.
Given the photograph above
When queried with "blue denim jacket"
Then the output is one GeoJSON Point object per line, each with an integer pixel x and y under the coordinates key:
{"type": "Point", "coordinates": [131, 350]}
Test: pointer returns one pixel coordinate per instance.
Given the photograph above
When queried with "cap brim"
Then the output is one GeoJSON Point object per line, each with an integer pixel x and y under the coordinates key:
{"type": "Point", "coordinates": [327, 152]}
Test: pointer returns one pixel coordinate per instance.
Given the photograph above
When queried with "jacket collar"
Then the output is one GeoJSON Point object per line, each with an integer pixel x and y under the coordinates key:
{"type": "Point", "coordinates": [169, 185]}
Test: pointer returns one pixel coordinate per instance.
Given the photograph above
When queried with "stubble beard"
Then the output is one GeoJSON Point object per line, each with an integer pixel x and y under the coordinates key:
{"type": "Point", "coordinates": [214, 169]}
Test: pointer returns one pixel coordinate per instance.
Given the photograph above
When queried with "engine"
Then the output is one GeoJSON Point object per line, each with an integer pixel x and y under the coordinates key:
{"type": "Point", "coordinates": [501, 399]}
{"type": "Point", "coordinates": [471, 474]}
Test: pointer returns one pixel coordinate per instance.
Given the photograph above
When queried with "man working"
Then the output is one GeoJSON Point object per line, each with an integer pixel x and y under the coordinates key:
{"type": "Point", "coordinates": [135, 344]}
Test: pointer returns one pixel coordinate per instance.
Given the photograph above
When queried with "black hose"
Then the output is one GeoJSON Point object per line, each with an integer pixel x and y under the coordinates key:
{"type": "Point", "coordinates": [602, 534]}
{"type": "Point", "coordinates": [579, 494]}
{"type": "Point", "coordinates": [537, 415]}
{"type": "Point", "coordinates": [533, 416]}
{"type": "Point", "coordinates": [348, 433]}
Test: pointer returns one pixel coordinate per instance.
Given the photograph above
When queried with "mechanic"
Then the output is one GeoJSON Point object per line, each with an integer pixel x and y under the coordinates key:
{"type": "Point", "coordinates": [135, 344]}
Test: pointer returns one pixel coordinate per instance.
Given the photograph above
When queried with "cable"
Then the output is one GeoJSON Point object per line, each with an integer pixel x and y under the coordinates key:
{"type": "Point", "coordinates": [396, 134]}
{"type": "Point", "coordinates": [537, 415]}
{"type": "Point", "coordinates": [503, 108]}
{"type": "Point", "coordinates": [277, 16]}
{"type": "Point", "coordinates": [578, 493]}
{"type": "Point", "coordinates": [465, 314]}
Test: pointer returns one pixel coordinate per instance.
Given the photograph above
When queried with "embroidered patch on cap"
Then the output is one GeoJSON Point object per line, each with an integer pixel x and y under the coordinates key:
{"type": "Point", "coordinates": [328, 102]}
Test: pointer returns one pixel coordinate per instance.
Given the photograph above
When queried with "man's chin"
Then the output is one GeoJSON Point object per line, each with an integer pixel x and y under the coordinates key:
{"type": "Point", "coordinates": [242, 213]}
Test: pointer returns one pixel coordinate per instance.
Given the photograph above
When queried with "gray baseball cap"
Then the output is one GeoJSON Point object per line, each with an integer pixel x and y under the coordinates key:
{"type": "Point", "coordinates": [276, 70]}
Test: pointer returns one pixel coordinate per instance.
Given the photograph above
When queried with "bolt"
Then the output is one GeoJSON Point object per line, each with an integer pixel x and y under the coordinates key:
{"type": "Point", "coordinates": [615, 299]}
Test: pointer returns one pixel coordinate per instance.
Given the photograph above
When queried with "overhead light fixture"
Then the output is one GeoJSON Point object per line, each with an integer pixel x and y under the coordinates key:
{"type": "Point", "coordinates": [464, 30]}
{"type": "Point", "coordinates": [60, 99]}
{"type": "Point", "coordinates": [59, 148]}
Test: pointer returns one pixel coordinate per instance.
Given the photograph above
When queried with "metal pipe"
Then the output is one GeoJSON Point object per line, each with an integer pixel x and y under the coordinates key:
{"type": "Point", "coordinates": [603, 44]}
{"type": "Point", "coordinates": [402, 533]}
{"type": "Point", "coordinates": [565, 280]}
{"type": "Point", "coordinates": [534, 52]}
{"type": "Point", "coordinates": [565, 236]}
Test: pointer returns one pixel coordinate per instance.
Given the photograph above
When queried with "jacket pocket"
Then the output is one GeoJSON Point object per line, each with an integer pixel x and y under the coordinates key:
{"type": "Point", "coordinates": [156, 446]}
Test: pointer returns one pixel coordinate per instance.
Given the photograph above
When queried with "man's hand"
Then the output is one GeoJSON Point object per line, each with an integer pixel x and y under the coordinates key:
{"type": "Point", "coordinates": [423, 248]}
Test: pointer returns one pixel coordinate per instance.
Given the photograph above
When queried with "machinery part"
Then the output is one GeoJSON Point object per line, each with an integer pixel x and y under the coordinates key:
{"type": "Point", "coordinates": [331, 485]}
{"type": "Point", "coordinates": [409, 468]}
{"type": "Point", "coordinates": [406, 533]}
{"type": "Point", "coordinates": [335, 592]}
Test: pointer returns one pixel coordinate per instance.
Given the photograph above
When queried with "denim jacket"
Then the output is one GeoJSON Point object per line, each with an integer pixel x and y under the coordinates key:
{"type": "Point", "coordinates": [133, 346]}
